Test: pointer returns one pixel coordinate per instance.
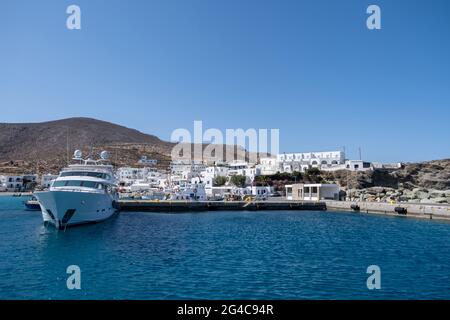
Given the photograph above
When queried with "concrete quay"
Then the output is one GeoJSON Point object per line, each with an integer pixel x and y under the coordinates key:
{"type": "Point", "coordinates": [183, 206]}
{"type": "Point", "coordinates": [417, 210]}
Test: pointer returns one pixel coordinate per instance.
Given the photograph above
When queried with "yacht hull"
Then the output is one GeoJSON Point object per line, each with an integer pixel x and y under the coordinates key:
{"type": "Point", "coordinates": [69, 208]}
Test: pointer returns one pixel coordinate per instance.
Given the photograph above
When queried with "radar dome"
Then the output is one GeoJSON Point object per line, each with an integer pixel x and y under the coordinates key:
{"type": "Point", "coordinates": [104, 155]}
{"type": "Point", "coordinates": [77, 154]}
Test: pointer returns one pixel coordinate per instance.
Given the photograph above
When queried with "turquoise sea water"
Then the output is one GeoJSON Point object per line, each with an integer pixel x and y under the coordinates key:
{"type": "Point", "coordinates": [224, 255]}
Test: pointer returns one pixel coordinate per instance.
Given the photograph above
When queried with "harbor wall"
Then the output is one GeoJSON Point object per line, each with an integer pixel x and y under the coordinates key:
{"type": "Point", "coordinates": [183, 206]}
{"type": "Point", "coordinates": [418, 210]}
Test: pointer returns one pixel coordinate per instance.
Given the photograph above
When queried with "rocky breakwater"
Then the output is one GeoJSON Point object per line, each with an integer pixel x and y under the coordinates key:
{"type": "Point", "coordinates": [385, 194]}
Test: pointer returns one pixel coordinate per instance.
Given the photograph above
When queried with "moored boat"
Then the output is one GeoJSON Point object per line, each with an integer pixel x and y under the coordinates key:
{"type": "Point", "coordinates": [83, 193]}
{"type": "Point", "coordinates": [32, 204]}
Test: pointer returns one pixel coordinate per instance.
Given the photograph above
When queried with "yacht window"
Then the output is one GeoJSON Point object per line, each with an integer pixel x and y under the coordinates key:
{"type": "Point", "coordinates": [89, 184]}
{"type": "Point", "coordinates": [77, 183]}
{"type": "Point", "coordinates": [99, 175]}
{"type": "Point", "coordinates": [73, 183]}
{"type": "Point", "coordinates": [59, 183]}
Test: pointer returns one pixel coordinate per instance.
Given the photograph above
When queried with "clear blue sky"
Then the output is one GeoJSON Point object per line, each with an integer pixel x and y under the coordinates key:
{"type": "Point", "coordinates": [310, 68]}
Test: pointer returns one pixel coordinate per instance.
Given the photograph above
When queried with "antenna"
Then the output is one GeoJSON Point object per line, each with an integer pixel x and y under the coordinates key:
{"type": "Point", "coordinates": [359, 149]}
{"type": "Point", "coordinates": [67, 145]}
{"type": "Point", "coordinates": [91, 151]}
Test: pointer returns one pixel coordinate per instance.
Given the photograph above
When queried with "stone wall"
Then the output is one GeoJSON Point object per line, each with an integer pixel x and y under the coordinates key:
{"type": "Point", "coordinates": [428, 211]}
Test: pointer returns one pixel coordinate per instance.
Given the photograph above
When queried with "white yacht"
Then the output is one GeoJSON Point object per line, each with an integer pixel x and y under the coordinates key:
{"type": "Point", "coordinates": [83, 193]}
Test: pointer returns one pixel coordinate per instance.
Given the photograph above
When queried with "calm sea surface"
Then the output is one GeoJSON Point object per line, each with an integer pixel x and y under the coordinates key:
{"type": "Point", "coordinates": [224, 255]}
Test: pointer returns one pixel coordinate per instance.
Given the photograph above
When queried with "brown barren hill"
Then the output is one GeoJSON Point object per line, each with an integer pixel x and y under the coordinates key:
{"type": "Point", "coordinates": [31, 146]}
{"type": "Point", "coordinates": [46, 147]}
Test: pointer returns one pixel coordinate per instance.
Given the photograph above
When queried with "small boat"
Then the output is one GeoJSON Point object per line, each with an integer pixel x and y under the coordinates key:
{"type": "Point", "coordinates": [32, 204]}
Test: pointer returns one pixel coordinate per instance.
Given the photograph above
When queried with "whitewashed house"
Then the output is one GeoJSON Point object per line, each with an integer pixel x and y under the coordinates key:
{"type": "Point", "coordinates": [326, 161]}
{"type": "Point", "coordinates": [269, 166]}
{"type": "Point", "coordinates": [46, 180]}
{"type": "Point", "coordinates": [243, 169]}
{"type": "Point", "coordinates": [184, 171]}
{"type": "Point", "coordinates": [389, 166]}
{"type": "Point", "coordinates": [209, 175]}
{"type": "Point", "coordinates": [350, 165]}
{"type": "Point", "coordinates": [312, 191]}
{"type": "Point", "coordinates": [148, 162]}
{"type": "Point", "coordinates": [11, 183]}
{"type": "Point", "coordinates": [314, 159]}
{"type": "Point", "coordinates": [300, 161]}
{"type": "Point", "coordinates": [128, 175]}
{"type": "Point", "coordinates": [261, 191]}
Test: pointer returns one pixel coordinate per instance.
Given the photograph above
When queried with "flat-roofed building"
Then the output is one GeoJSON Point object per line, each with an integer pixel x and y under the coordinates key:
{"type": "Point", "coordinates": [312, 191]}
{"type": "Point", "coordinates": [11, 183]}
{"type": "Point", "coordinates": [314, 159]}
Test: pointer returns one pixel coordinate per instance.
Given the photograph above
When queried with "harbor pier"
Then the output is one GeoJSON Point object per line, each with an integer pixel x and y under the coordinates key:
{"type": "Point", "coordinates": [417, 210]}
{"type": "Point", "coordinates": [407, 209]}
{"type": "Point", "coordinates": [183, 206]}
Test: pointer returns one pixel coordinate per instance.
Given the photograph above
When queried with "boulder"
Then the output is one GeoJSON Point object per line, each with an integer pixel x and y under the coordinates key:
{"type": "Point", "coordinates": [420, 193]}
{"type": "Point", "coordinates": [440, 200]}
{"type": "Point", "coordinates": [437, 194]}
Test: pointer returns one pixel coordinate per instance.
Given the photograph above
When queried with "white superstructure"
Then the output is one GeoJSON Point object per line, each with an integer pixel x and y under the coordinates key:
{"type": "Point", "coordinates": [82, 193]}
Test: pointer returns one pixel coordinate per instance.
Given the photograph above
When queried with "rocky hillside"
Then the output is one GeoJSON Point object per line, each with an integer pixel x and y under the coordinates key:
{"type": "Point", "coordinates": [427, 182]}
{"type": "Point", "coordinates": [42, 147]}
{"type": "Point", "coordinates": [431, 175]}
{"type": "Point", "coordinates": [414, 182]}
{"type": "Point", "coordinates": [46, 140]}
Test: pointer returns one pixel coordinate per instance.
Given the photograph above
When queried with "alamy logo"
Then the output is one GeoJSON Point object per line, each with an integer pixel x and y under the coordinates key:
{"type": "Point", "coordinates": [374, 280]}
{"type": "Point", "coordinates": [74, 280]}
{"type": "Point", "coordinates": [374, 20]}
{"type": "Point", "coordinates": [250, 141]}
{"type": "Point", "coordinates": [73, 21]}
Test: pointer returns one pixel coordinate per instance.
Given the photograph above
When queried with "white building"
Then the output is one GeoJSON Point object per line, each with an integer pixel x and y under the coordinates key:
{"type": "Point", "coordinates": [326, 161]}
{"type": "Point", "coordinates": [312, 192]}
{"type": "Point", "coordinates": [46, 180]}
{"type": "Point", "coordinates": [11, 183]}
{"type": "Point", "coordinates": [187, 168]}
{"type": "Point", "coordinates": [300, 161]}
{"type": "Point", "coordinates": [268, 166]}
{"type": "Point", "coordinates": [209, 175]}
{"type": "Point", "coordinates": [128, 175]}
{"type": "Point", "coordinates": [351, 165]}
{"type": "Point", "coordinates": [149, 162]}
{"type": "Point", "coordinates": [389, 166]}
{"type": "Point", "coordinates": [314, 158]}
{"type": "Point", "coordinates": [261, 191]}
{"type": "Point", "coordinates": [258, 191]}
{"type": "Point", "coordinates": [243, 169]}
{"type": "Point", "coordinates": [292, 166]}
{"type": "Point", "coordinates": [215, 171]}
{"type": "Point", "coordinates": [149, 177]}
